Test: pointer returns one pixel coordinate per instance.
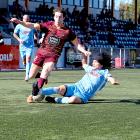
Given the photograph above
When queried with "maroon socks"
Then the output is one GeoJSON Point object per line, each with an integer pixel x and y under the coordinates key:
{"type": "Point", "coordinates": [41, 82]}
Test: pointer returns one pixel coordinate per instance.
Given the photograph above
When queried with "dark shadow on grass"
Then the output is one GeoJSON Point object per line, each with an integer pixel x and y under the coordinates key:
{"type": "Point", "coordinates": [104, 101]}
{"type": "Point", "coordinates": [135, 101]}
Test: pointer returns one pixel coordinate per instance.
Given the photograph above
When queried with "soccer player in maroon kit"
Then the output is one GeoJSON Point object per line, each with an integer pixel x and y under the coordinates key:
{"type": "Point", "coordinates": [56, 34]}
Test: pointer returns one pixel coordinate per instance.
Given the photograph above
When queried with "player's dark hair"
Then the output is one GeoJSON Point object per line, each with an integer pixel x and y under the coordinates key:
{"type": "Point", "coordinates": [59, 9]}
{"type": "Point", "coordinates": [104, 59]}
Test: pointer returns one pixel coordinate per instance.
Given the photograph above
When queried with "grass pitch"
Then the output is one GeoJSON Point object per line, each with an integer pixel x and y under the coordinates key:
{"type": "Point", "coordinates": [114, 114]}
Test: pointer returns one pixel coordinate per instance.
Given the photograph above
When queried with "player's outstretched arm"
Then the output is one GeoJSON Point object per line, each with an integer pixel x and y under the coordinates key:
{"type": "Point", "coordinates": [84, 60]}
{"type": "Point", "coordinates": [26, 24]}
{"type": "Point", "coordinates": [80, 47]}
{"type": "Point", "coordinates": [113, 81]}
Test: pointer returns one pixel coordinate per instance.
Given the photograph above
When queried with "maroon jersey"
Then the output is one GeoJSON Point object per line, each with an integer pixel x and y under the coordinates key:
{"type": "Point", "coordinates": [55, 38]}
{"type": "Point", "coordinates": [53, 42]}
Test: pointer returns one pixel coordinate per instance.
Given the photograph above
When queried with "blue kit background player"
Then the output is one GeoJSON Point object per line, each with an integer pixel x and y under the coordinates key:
{"type": "Point", "coordinates": [95, 79]}
{"type": "Point", "coordinates": [25, 37]}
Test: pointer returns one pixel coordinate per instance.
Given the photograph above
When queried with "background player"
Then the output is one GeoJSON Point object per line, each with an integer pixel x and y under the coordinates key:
{"type": "Point", "coordinates": [25, 37]}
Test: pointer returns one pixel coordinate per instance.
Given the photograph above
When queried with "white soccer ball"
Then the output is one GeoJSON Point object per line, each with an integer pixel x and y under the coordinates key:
{"type": "Point", "coordinates": [38, 98]}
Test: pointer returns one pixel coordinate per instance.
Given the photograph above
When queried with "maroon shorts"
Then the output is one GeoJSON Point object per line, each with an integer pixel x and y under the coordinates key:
{"type": "Point", "coordinates": [43, 56]}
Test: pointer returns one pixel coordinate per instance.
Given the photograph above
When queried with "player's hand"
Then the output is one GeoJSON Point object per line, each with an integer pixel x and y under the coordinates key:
{"type": "Point", "coordinates": [15, 20]}
{"type": "Point", "coordinates": [21, 41]}
{"type": "Point", "coordinates": [87, 53]}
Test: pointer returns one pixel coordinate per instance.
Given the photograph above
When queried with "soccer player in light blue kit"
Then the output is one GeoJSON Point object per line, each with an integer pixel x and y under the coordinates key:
{"type": "Point", "coordinates": [25, 37]}
{"type": "Point", "coordinates": [94, 80]}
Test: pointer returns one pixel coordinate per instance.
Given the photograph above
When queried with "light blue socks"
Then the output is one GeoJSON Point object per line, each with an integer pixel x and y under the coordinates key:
{"type": "Point", "coordinates": [54, 90]}
{"type": "Point", "coordinates": [49, 91]}
{"type": "Point", "coordinates": [28, 65]}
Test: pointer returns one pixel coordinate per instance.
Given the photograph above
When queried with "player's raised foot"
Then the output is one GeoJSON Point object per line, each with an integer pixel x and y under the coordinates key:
{"type": "Point", "coordinates": [35, 89]}
{"type": "Point", "coordinates": [50, 99]}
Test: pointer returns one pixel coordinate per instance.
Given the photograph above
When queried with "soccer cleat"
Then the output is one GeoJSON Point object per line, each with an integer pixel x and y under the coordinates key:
{"type": "Point", "coordinates": [38, 98]}
{"type": "Point", "coordinates": [35, 89]}
{"type": "Point", "coordinates": [33, 99]}
{"type": "Point", "coordinates": [30, 99]}
{"type": "Point", "coordinates": [50, 99]}
{"type": "Point", "coordinates": [26, 78]}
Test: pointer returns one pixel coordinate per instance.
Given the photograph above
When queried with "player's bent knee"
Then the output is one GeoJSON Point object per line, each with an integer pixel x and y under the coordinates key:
{"type": "Point", "coordinates": [62, 89]}
{"type": "Point", "coordinates": [75, 100]}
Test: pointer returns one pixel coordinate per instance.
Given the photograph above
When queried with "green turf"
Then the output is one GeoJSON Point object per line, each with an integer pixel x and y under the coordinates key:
{"type": "Point", "coordinates": [112, 115]}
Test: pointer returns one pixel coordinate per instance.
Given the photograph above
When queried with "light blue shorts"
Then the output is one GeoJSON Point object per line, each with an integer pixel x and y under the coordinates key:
{"type": "Point", "coordinates": [25, 52]}
{"type": "Point", "coordinates": [72, 90]}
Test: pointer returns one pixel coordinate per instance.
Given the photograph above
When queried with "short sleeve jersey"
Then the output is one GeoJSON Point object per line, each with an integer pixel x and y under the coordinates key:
{"type": "Point", "coordinates": [26, 34]}
{"type": "Point", "coordinates": [93, 81]}
{"type": "Point", "coordinates": [54, 38]}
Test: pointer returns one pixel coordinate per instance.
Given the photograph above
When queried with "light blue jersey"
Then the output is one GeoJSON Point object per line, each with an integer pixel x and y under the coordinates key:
{"type": "Point", "coordinates": [26, 34]}
{"type": "Point", "coordinates": [92, 81]}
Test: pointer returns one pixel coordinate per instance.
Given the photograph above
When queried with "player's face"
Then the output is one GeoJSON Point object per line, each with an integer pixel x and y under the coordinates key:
{"type": "Point", "coordinates": [25, 18]}
{"type": "Point", "coordinates": [58, 18]}
{"type": "Point", "coordinates": [96, 64]}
